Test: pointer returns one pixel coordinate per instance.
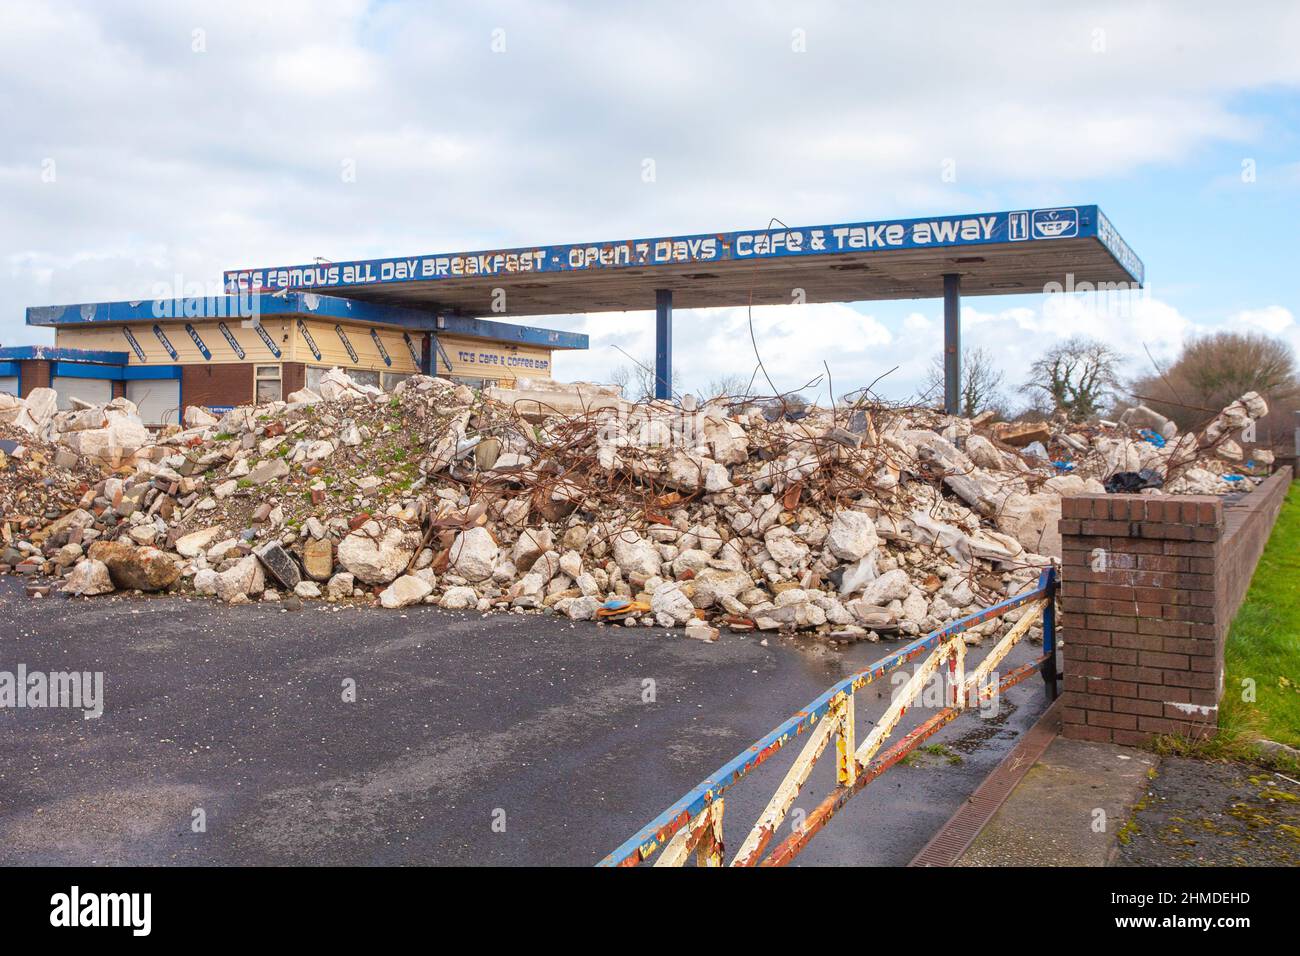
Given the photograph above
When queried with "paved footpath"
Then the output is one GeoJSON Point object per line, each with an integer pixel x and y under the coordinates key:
{"type": "Point", "coordinates": [460, 721]}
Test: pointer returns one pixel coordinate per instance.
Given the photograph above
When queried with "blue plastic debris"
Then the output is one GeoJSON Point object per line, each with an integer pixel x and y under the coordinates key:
{"type": "Point", "coordinates": [1232, 477]}
{"type": "Point", "coordinates": [1155, 438]}
{"type": "Point", "coordinates": [1063, 465]}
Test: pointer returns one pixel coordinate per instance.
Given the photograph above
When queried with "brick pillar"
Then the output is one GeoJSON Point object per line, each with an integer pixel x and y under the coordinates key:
{"type": "Point", "coordinates": [1143, 623]}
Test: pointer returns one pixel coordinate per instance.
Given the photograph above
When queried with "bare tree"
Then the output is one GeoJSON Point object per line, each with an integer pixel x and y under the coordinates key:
{"type": "Point", "coordinates": [1214, 369]}
{"type": "Point", "coordinates": [981, 382]}
{"type": "Point", "coordinates": [637, 379]}
{"type": "Point", "coordinates": [727, 386]}
{"type": "Point", "coordinates": [1078, 377]}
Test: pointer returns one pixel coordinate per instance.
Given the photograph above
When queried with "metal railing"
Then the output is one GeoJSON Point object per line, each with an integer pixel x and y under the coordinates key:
{"type": "Point", "coordinates": [693, 825]}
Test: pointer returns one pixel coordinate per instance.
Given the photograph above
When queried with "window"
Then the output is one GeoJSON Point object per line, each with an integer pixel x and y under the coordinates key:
{"type": "Point", "coordinates": [362, 376]}
{"type": "Point", "coordinates": [267, 382]}
{"type": "Point", "coordinates": [480, 383]}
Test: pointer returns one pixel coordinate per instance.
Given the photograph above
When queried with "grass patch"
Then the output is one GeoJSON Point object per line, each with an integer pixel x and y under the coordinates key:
{"type": "Point", "coordinates": [934, 750]}
{"type": "Point", "coordinates": [1231, 743]}
{"type": "Point", "coordinates": [1262, 655]}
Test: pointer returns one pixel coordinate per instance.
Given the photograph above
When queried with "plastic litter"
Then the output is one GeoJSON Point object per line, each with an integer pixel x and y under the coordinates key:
{"type": "Point", "coordinates": [1130, 482]}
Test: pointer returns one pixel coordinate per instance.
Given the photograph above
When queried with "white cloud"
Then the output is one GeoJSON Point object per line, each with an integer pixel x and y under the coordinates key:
{"type": "Point", "coordinates": [793, 343]}
{"type": "Point", "coordinates": [323, 69]}
{"type": "Point", "coordinates": [175, 162]}
{"type": "Point", "coordinates": [1273, 319]}
{"type": "Point", "coordinates": [859, 346]}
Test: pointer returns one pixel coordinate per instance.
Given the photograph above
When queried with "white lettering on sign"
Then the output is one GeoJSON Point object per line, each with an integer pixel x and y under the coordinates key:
{"type": "Point", "coordinates": [923, 233]}
{"type": "Point", "coordinates": [769, 243]}
{"type": "Point", "coordinates": [503, 360]}
{"type": "Point", "coordinates": [948, 231]}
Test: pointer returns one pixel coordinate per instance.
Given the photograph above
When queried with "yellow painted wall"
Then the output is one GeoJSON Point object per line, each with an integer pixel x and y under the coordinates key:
{"type": "Point", "coordinates": [285, 333]}
{"type": "Point", "coordinates": [470, 358]}
{"type": "Point", "coordinates": [115, 338]}
{"type": "Point", "coordinates": [474, 358]}
{"type": "Point", "coordinates": [333, 352]}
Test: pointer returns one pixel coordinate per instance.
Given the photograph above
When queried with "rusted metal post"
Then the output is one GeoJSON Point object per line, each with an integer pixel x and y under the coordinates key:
{"type": "Point", "coordinates": [957, 673]}
{"type": "Point", "coordinates": [663, 343]}
{"type": "Point", "coordinates": [952, 343]}
{"type": "Point", "coordinates": [846, 745]}
{"type": "Point", "coordinates": [710, 850]}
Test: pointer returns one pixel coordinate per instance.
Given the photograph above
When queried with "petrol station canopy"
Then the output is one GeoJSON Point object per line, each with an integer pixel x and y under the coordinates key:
{"type": "Point", "coordinates": [998, 253]}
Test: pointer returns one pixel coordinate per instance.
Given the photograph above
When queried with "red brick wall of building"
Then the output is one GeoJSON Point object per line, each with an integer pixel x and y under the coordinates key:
{"type": "Point", "coordinates": [33, 373]}
{"type": "Point", "coordinates": [293, 377]}
{"type": "Point", "coordinates": [216, 384]}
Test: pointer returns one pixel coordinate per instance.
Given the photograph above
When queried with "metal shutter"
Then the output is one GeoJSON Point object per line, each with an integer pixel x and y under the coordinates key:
{"type": "Point", "coordinates": [159, 400]}
{"type": "Point", "coordinates": [97, 391]}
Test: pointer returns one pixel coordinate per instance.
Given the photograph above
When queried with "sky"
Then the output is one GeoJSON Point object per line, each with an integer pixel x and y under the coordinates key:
{"type": "Point", "coordinates": [146, 147]}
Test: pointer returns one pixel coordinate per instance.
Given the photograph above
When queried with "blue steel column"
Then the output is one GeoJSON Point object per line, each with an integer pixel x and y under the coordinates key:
{"type": "Point", "coordinates": [663, 343]}
{"type": "Point", "coordinates": [1047, 581]}
{"type": "Point", "coordinates": [952, 343]}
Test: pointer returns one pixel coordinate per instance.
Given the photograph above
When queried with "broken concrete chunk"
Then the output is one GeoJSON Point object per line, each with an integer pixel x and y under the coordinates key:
{"type": "Point", "coordinates": [473, 554]}
{"type": "Point", "coordinates": [852, 535]}
{"type": "Point", "coordinates": [376, 554]}
{"type": "Point", "coordinates": [405, 591]}
{"type": "Point", "coordinates": [242, 580]}
{"type": "Point", "coordinates": [318, 558]}
{"type": "Point", "coordinates": [88, 578]}
{"type": "Point", "coordinates": [136, 568]}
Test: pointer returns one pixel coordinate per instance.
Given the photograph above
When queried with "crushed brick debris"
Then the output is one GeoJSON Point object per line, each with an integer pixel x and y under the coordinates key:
{"type": "Point", "coordinates": [850, 523]}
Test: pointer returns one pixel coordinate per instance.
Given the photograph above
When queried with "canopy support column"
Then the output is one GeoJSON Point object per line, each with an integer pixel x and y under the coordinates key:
{"type": "Point", "coordinates": [952, 343]}
{"type": "Point", "coordinates": [663, 343]}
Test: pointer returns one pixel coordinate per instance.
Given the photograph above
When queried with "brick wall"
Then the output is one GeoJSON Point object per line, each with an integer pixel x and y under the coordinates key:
{"type": "Point", "coordinates": [1149, 586]}
{"type": "Point", "coordinates": [34, 373]}
{"type": "Point", "coordinates": [1246, 527]}
{"type": "Point", "coordinates": [216, 384]}
{"type": "Point", "coordinates": [293, 376]}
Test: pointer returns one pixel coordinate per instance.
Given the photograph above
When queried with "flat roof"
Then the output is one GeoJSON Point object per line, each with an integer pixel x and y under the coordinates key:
{"type": "Point", "coordinates": [22, 353]}
{"type": "Point", "coordinates": [995, 253]}
{"type": "Point", "coordinates": [244, 306]}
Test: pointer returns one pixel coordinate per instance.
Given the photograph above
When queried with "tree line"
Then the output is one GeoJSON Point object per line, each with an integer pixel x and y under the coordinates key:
{"type": "Point", "coordinates": [1082, 379]}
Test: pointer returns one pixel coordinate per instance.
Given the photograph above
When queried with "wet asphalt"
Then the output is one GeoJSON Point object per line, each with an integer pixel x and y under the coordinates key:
{"type": "Point", "coordinates": [498, 740]}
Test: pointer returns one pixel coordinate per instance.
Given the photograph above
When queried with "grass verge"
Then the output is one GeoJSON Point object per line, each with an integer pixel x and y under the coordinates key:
{"type": "Point", "coordinates": [1262, 656]}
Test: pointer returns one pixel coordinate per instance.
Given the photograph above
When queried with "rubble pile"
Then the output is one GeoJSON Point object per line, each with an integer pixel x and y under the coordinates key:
{"type": "Point", "coordinates": [852, 523]}
{"type": "Point", "coordinates": [39, 484]}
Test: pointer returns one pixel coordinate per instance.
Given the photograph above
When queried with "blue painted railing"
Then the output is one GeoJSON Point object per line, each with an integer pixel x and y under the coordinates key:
{"type": "Point", "coordinates": [833, 705]}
